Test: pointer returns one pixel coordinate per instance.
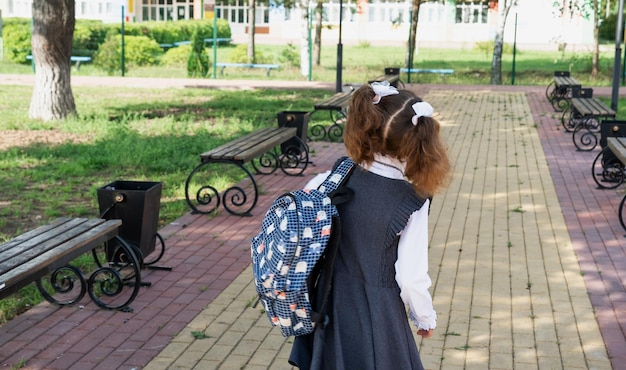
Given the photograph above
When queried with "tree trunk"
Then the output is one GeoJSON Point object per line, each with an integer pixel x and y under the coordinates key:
{"type": "Point", "coordinates": [410, 50]}
{"type": "Point", "coordinates": [304, 38]}
{"type": "Point", "coordinates": [595, 63]}
{"type": "Point", "coordinates": [251, 30]}
{"type": "Point", "coordinates": [317, 47]}
{"type": "Point", "coordinates": [53, 32]}
{"type": "Point", "coordinates": [496, 62]}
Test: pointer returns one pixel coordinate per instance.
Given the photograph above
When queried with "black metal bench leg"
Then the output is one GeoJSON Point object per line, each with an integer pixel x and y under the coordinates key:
{"type": "Point", "coordinates": [584, 134]}
{"type": "Point", "coordinates": [620, 212]}
{"type": "Point", "coordinates": [119, 268]}
{"type": "Point", "coordinates": [607, 170]}
{"type": "Point", "coordinates": [294, 158]}
{"type": "Point", "coordinates": [67, 286]}
{"type": "Point", "coordinates": [205, 198]}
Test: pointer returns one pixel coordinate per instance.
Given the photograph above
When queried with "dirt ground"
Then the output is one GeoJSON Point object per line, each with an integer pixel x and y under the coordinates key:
{"type": "Point", "coordinates": [13, 138]}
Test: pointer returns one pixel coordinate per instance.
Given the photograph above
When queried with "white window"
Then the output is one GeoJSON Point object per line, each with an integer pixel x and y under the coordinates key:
{"type": "Point", "coordinates": [472, 11]}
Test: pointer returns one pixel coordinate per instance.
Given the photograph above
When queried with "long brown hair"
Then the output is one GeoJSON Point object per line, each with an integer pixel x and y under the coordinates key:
{"type": "Point", "coordinates": [387, 128]}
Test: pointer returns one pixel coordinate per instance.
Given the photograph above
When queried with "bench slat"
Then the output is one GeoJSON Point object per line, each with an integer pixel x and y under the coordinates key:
{"type": "Point", "coordinates": [270, 142]}
{"type": "Point", "coordinates": [338, 101]}
{"type": "Point", "coordinates": [591, 106]}
{"type": "Point", "coordinates": [87, 235]}
{"type": "Point", "coordinates": [30, 234]}
{"type": "Point", "coordinates": [250, 146]}
{"type": "Point", "coordinates": [566, 81]}
{"type": "Point", "coordinates": [392, 79]}
{"type": "Point", "coordinates": [22, 252]}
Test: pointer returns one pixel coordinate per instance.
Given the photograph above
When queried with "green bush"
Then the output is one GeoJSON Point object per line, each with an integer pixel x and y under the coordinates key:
{"type": "Point", "coordinates": [606, 29]}
{"type": "Point", "coordinates": [171, 32]}
{"type": "Point", "coordinates": [109, 55]}
{"type": "Point", "coordinates": [290, 55]}
{"type": "Point", "coordinates": [138, 51]}
{"type": "Point", "coordinates": [240, 55]}
{"type": "Point", "coordinates": [198, 62]}
{"type": "Point", "coordinates": [16, 40]}
{"type": "Point", "coordinates": [176, 57]}
{"type": "Point", "coordinates": [89, 35]}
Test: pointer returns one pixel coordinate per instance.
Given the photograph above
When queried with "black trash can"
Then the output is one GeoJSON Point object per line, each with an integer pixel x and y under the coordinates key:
{"type": "Point", "coordinates": [299, 120]}
{"type": "Point", "coordinates": [611, 128]}
{"type": "Point", "coordinates": [137, 204]}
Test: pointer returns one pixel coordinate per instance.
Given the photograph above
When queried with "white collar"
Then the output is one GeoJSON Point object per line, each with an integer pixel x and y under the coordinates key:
{"type": "Point", "coordinates": [387, 166]}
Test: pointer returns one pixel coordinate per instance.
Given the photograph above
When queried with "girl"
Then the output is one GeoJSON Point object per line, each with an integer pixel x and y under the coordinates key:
{"type": "Point", "coordinates": [382, 261]}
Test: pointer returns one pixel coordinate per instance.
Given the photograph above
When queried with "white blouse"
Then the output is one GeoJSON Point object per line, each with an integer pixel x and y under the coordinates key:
{"type": "Point", "coordinates": [412, 264]}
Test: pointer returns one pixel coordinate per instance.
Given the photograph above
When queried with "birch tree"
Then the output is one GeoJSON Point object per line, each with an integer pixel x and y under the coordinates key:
{"type": "Point", "coordinates": [53, 32]}
{"type": "Point", "coordinates": [251, 30]}
{"type": "Point", "coordinates": [317, 40]}
{"type": "Point", "coordinates": [504, 7]}
{"type": "Point", "coordinates": [410, 51]}
{"type": "Point", "coordinates": [586, 9]}
{"type": "Point", "coordinates": [304, 37]}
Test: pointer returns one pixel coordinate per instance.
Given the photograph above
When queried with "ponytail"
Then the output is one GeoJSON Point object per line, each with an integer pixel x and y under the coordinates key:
{"type": "Point", "coordinates": [387, 128]}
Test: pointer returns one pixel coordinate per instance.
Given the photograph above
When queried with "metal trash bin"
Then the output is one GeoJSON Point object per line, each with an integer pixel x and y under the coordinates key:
{"type": "Point", "coordinates": [299, 120]}
{"type": "Point", "coordinates": [137, 204]}
{"type": "Point", "coordinates": [611, 128]}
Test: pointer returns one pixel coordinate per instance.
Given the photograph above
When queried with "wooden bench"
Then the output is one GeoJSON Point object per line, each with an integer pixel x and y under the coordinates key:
{"type": "Point", "coordinates": [47, 251]}
{"type": "Point", "coordinates": [337, 108]}
{"type": "Point", "coordinates": [558, 92]}
{"type": "Point", "coordinates": [219, 40]}
{"type": "Point", "coordinates": [260, 149]}
{"type": "Point", "coordinates": [586, 116]}
{"type": "Point", "coordinates": [617, 145]}
{"type": "Point", "coordinates": [571, 117]}
{"type": "Point", "coordinates": [391, 75]}
{"type": "Point", "coordinates": [267, 67]}
{"type": "Point", "coordinates": [75, 59]}
{"type": "Point", "coordinates": [442, 71]}
{"type": "Point", "coordinates": [607, 169]}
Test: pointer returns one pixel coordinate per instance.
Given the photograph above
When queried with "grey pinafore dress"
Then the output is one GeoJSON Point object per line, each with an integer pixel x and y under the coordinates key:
{"type": "Point", "coordinates": [367, 325]}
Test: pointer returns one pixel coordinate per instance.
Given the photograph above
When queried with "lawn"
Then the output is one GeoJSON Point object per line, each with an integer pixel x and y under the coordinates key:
{"type": "Point", "coordinates": [471, 65]}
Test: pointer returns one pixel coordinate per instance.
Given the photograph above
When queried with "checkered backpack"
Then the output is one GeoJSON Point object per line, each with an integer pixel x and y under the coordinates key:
{"type": "Point", "coordinates": [297, 244]}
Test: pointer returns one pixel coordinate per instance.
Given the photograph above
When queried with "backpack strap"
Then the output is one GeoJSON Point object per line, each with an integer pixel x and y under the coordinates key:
{"type": "Point", "coordinates": [334, 189]}
{"type": "Point", "coordinates": [338, 176]}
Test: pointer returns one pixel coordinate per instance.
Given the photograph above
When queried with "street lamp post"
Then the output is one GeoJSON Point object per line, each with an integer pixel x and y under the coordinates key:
{"type": "Point", "coordinates": [340, 50]}
{"type": "Point", "coordinates": [618, 53]}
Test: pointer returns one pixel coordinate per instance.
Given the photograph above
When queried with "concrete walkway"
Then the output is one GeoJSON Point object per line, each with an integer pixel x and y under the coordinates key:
{"type": "Point", "coordinates": [526, 257]}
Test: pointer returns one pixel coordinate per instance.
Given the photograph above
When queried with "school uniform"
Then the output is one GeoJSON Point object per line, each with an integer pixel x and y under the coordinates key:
{"type": "Point", "coordinates": [381, 266]}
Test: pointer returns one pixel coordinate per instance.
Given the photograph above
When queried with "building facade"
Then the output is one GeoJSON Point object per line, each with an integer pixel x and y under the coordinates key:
{"type": "Point", "coordinates": [451, 23]}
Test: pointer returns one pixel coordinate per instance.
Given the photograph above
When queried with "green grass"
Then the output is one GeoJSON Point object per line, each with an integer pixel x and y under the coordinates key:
{"type": "Point", "coordinates": [471, 65]}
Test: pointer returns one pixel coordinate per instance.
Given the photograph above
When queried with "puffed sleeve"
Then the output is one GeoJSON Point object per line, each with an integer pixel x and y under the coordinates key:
{"type": "Point", "coordinates": [412, 270]}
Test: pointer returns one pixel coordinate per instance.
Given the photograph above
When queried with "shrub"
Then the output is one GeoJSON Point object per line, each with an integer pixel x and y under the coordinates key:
{"type": "Point", "coordinates": [89, 35]}
{"type": "Point", "coordinates": [290, 55]}
{"type": "Point", "coordinates": [240, 55]}
{"type": "Point", "coordinates": [138, 51]}
{"type": "Point", "coordinates": [109, 56]}
{"type": "Point", "coordinates": [16, 39]}
{"type": "Point", "coordinates": [176, 57]}
{"type": "Point", "coordinates": [198, 62]}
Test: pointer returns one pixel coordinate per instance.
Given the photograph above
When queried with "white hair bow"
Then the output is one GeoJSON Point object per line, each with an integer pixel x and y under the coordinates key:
{"type": "Point", "coordinates": [382, 89]}
{"type": "Point", "coordinates": [421, 109]}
